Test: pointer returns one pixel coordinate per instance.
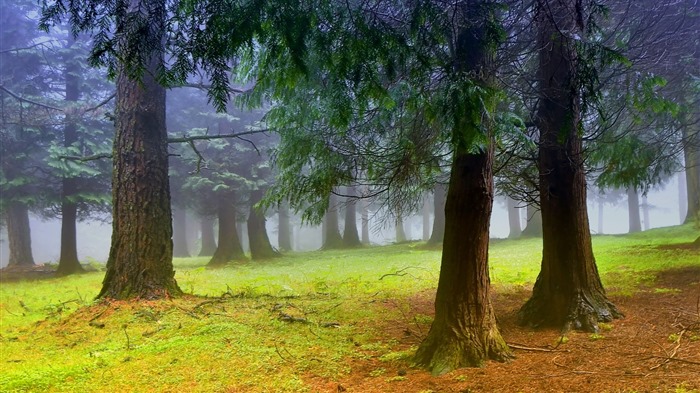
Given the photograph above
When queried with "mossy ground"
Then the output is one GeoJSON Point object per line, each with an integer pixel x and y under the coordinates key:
{"type": "Point", "coordinates": [288, 325]}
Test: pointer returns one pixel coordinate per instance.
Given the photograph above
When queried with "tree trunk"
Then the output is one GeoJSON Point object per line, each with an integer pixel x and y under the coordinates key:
{"type": "Point", "coordinates": [332, 238]}
{"type": "Point", "coordinates": [260, 247]}
{"type": "Point", "coordinates": [365, 221]}
{"type": "Point", "coordinates": [400, 230]}
{"type": "Point", "coordinates": [691, 153]}
{"type": "Point", "coordinates": [645, 213]}
{"type": "Point", "coordinates": [682, 197]}
{"type": "Point", "coordinates": [439, 198]}
{"type": "Point", "coordinates": [513, 218]}
{"type": "Point", "coordinates": [180, 233]}
{"type": "Point", "coordinates": [229, 245]}
{"type": "Point", "coordinates": [284, 229]}
{"type": "Point", "coordinates": [464, 331]}
{"type": "Point", "coordinates": [208, 241]}
{"type": "Point", "coordinates": [534, 222]}
{"type": "Point", "coordinates": [568, 292]}
{"type": "Point", "coordinates": [350, 235]}
{"type": "Point", "coordinates": [426, 217]}
{"type": "Point", "coordinates": [635, 222]}
{"type": "Point", "coordinates": [68, 262]}
{"type": "Point", "coordinates": [140, 258]}
{"type": "Point", "coordinates": [19, 235]}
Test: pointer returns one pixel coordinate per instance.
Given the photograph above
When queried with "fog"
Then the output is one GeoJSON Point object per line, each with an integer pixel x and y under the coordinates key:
{"type": "Point", "coordinates": [94, 236]}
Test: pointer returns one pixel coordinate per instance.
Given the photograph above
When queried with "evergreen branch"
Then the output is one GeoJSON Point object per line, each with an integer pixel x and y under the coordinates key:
{"type": "Point", "coordinates": [87, 158]}
{"type": "Point", "coordinates": [22, 48]}
{"type": "Point", "coordinates": [188, 139]}
{"type": "Point", "coordinates": [202, 86]}
{"type": "Point", "coordinates": [19, 98]}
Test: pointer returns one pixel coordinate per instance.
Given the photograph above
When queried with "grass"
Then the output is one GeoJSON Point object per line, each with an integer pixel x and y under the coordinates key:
{"type": "Point", "coordinates": [54, 338]}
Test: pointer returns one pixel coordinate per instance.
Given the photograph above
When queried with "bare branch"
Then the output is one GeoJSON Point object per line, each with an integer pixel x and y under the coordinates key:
{"type": "Point", "coordinates": [3, 88]}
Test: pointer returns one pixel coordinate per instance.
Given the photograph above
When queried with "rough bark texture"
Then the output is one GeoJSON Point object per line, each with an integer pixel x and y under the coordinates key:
{"type": "Point", "coordinates": [464, 331]}
{"type": "Point", "coordinates": [350, 236]}
{"type": "Point", "coordinates": [180, 233]}
{"type": "Point", "coordinates": [568, 292]}
{"type": "Point", "coordinates": [229, 245]}
{"type": "Point", "coordinates": [534, 222]}
{"type": "Point", "coordinates": [208, 240]}
{"type": "Point", "coordinates": [513, 218]}
{"type": "Point", "coordinates": [331, 233]}
{"type": "Point", "coordinates": [140, 257]}
{"type": "Point", "coordinates": [19, 235]}
{"type": "Point", "coordinates": [284, 229]}
{"type": "Point", "coordinates": [260, 247]}
{"type": "Point", "coordinates": [68, 262]}
{"type": "Point", "coordinates": [635, 221]}
{"type": "Point", "coordinates": [439, 198]}
{"type": "Point", "coordinates": [691, 152]}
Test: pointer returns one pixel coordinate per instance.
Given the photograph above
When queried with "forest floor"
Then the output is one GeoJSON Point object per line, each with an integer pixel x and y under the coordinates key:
{"type": "Point", "coordinates": [350, 321]}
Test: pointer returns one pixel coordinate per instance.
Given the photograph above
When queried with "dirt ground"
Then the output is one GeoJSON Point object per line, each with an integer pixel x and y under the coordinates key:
{"type": "Point", "coordinates": [654, 348]}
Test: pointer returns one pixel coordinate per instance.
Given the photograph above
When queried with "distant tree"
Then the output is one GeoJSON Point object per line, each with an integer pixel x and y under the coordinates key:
{"type": "Point", "coordinates": [260, 247]}
{"type": "Point", "coordinates": [351, 237]}
{"type": "Point", "coordinates": [284, 230]}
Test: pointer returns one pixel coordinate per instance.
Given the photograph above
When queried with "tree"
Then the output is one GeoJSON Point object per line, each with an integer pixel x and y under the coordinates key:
{"type": "Point", "coordinates": [513, 218]}
{"type": "Point", "coordinates": [284, 230]}
{"type": "Point", "coordinates": [229, 245]}
{"type": "Point", "coordinates": [332, 238]}
{"type": "Point", "coordinates": [633, 207]}
{"type": "Point", "coordinates": [439, 197]}
{"type": "Point", "coordinates": [207, 237]}
{"type": "Point", "coordinates": [260, 247]}
{"type": "Point", "coordinates": [351, 238]}
{"type": "Point", "coordinates": [568, 292]}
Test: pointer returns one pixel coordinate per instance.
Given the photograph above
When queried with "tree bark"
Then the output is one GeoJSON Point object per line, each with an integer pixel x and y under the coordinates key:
{"type": "Point", "coordinates": [691, 153]}
{"type": "Point", "coordinates": [464, 331]}
{"type": "Point", "coordinates": [350, 235]}
{"type": "Point", "coordinates": [140, 258]}
{"type": "Point", "coordinates": [439, 199]}
{"type": "Point", "coordinates": [400, 230]}
{"type": "Point", "coordinates": [365, 221]}
{"type": "Point", "coordinates": [260, 247]}
{"type": "Point", "coordinates": [682, 197]}
{"type": "Point", "coordinates": [68, 262]}
{"type": "Point", "coordinates": [426, 217]}
{"type": "Point", "coordinates": [534, 222]}
{"type": "Point", "coordinates": [513, 218]}
{"type": "Point", "coordinates": [229, 244]}
{"type": "Point", "coordinates": [19, 235]}
{"type": "Point", "coordinates": [331, 237]}
{"type": "Point", "coordinates": [568, 292]}
{"type": "Point", "coordinates": [635, 222]}
{"type": "Point", "coordinates": [208, 241]}
{"type": "Point", "coordinates": [180, 233]}
{"type": "Point", "coordinates": [284, 229]}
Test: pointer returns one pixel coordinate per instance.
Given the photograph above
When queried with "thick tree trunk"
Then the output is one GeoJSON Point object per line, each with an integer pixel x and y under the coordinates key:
{"type": "Point", "coordinates": [331, 233]}
{"type": "Point", "coordinates": [208, 240]}
{"type": "Point", "coordinates": [284, 229]}
{"type": "Point", "coordinates": [534, 222]}
{"type": "Point", "coordinates": [513, 218]}
{"type": "Point", "coordinates": [635, 221]}
{"type": "Point", "coordinates": [229, 244]}
{"type": "Point", "coordinates": [260, 247]}
{"type": "Point", "coordinates": [439, 198]}
{"type": "Point", "coordinates": [68, 262]}
{"type": "Point", "coordinates": [350, 235]}
{"type": "Point", "coordinates": [180, 233]}
{"type": "Point", "coordinates": [691, 152]}
{"type": "Point", "coordinates": [464, 331]}
{"type": "Point", "coordinates": [19, 235]}
{"type": "Point", "coordinates": [568, 292]}
{"type": "Point", "coordinates": [140, 258]}
{"type": "Point", "coordinates": [426, 217]}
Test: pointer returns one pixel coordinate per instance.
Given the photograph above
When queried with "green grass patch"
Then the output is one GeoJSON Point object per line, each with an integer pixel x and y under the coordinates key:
{"type": "Point", "coordinates": [55, 338]}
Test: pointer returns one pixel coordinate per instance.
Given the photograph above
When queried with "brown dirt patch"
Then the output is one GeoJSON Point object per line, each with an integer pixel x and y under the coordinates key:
{"type": "Point", "coordinates": [655, 348]}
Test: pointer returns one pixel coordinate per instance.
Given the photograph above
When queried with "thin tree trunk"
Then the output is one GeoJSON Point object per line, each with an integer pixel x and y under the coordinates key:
{"type": "Point", "coordinates": [19, 235]}
{"type": "Point", "coordinates": [568, 292]}
{"type": "Point", "coordinates": [513, 218]}
{"type": "Point", "coordinates": [682, 197]}
{"type": "Point", "coordinates": [260, 247]}
{"type": "Point", "coordinates": [400, 230]}
{"type": "Point", "coordinates": [284, 229]}
{"type": "Point", "coordinates": [439, 198]}
{"type": "Point", "coordinates": [464, 331]}
{"type": "Point", "coordinates": [635, 222]}
{"type": "Point", "coordinates": [691, 152]}
{"type": "Point", "coordinates": [229, 244]}
{"type": "Point", "coordinates": [365, 221]}
{"type": "Point", "coordinates": [208, 241]}
{"type": "Point", "coordinates": [534, 222]}
{"type": "Point", "coordinates": [332, 238]}
{"type": "Point", "coordinates": [350, 235]}
{"type": "Point", "coordinates": [140, 259]}
{"type": "Point", "coordinates": [180, 233]}
{"type": "Point", "coordinates": [426, 217]}
{"type": "Point", "coordinates": [68, 262]}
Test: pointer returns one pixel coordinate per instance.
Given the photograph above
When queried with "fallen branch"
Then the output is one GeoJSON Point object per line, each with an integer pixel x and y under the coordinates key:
{"type": "Point", "coordinates": [533, 349]}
